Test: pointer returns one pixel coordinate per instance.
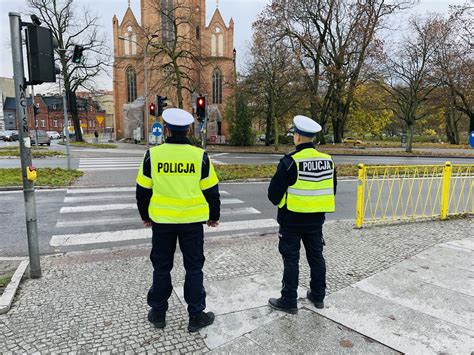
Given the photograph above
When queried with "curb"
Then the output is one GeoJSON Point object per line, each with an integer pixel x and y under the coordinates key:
{"type": "Point", "coordinates": [354, 154]}
{"type": "Point", "coordinates": [7, 298]}
{"type": "Point", "coordinates": [20, 188]}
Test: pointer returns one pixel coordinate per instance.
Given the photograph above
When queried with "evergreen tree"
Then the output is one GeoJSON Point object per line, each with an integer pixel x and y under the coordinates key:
{"type": "Point", "coordinates": [240, 122]}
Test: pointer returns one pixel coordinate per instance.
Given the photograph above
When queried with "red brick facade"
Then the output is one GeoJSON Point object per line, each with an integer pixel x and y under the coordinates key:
{"type": "Point", "coordinates": [50, 114]}
{"type": "Point", "coordinates": [215, 50]}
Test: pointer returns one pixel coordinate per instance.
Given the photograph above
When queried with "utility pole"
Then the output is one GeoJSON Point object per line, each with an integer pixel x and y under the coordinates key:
{"type": "Point", "coordinates": [66, 130]}
{"type": "Point", "coordinates": [35, 121]}
{"type": "Point", "coordinates": [27, 170]}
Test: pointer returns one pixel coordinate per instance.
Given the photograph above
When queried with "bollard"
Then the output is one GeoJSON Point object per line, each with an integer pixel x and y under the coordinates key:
{"type": "Point", "coordinates": [360, 196]}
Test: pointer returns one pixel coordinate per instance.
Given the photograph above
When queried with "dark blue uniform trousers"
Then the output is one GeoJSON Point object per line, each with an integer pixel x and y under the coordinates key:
{"type": "Point", "coordinates": [191, 243]}
{"type": "Point", "coordinates": [289, 247]}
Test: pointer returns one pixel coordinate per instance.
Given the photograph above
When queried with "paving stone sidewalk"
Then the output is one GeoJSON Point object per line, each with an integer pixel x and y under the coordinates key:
{"type": "Point", "coordinates": [96, 301]}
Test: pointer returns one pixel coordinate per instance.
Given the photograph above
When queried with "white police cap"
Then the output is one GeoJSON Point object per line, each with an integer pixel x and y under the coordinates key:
{"type": "Point", "coordinates": [306, 126]}
{"type": "Point", "coordinates": [177, 119]}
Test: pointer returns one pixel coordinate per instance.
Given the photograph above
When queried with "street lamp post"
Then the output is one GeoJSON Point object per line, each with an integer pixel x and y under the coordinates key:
{"type": "Point", "coordinates": [145, 52]}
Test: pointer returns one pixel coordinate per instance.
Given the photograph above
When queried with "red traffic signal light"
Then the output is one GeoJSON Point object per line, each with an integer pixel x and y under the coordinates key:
{"type": "Point", "coordinates": [201, 107]}
{"type": "Point", "coordinates": [152, 109]}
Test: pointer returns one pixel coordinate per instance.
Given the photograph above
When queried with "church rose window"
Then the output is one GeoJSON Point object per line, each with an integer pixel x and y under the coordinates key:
{"type": "Point", "coordinates": [217, 87]}
{"type": "Point", "coordinates": [131, 84]}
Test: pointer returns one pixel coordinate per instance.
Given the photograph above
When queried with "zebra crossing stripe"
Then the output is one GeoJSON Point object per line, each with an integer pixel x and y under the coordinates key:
{"type": "Point", "coordinates": [115, 221]}
{"type": "Point", "coordinates": [111, 189]}
{"type": "Point", "coordinates": [100, 190]}
{"type": "Point", "coordinates": [145, 233]}
{"type": "Point", "coordinates": [124, 206]}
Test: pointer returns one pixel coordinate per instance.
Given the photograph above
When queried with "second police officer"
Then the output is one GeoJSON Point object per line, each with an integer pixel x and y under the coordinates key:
{"type": "Point", "coordinates": [177, 191]}
{"type": "Point", "coordinates": [304, 188]}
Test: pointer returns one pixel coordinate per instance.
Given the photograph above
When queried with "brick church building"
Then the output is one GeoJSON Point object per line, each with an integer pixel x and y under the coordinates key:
{"type": "Point", "coordinates": [209, 71]}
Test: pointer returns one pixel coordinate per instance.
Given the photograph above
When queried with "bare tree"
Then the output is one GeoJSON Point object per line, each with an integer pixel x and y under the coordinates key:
{"type": "Point", "coordinates": [176, 53]}
{"type": "Point", "coordinates": [273, 76]}
{"type": "Point", "coordinates": [455, 66]}
{"type": "Point", "coordinates": [70, 28]}
{"type": "Point", "coordinates": [332, 39]}
{"type": "Point", "coordinates": [409, 78]}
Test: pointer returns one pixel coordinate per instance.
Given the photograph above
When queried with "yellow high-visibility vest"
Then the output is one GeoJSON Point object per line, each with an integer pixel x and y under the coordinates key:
{"type": "Point", "coordinates": [177, 185]}
{"type": "Point", "coordinates": [314, 187]}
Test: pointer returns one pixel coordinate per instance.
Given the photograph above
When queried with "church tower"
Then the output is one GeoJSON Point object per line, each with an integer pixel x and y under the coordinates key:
{"type": "Point", "coordinates": [211, 71]}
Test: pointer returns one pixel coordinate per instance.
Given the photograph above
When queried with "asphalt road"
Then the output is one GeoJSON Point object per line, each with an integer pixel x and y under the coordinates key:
{"type": "Point", "coordinates": [110, 155]}
{"type": "Point", "coordinates": [111, 214]}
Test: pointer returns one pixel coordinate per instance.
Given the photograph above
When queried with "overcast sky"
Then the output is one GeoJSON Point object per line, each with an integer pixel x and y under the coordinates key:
{"type": "Point", "coordinates": [244, 13]}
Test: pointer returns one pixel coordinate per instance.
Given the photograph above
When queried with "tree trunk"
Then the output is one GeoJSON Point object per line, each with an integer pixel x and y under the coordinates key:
{"type": "Point", "coordinates": [268, 128]}
{"type": "Point", "coordinates": [410, 132]}
{"type": "Point", "coordinates": [452, 131]}
{"type": "Point", "coordinates": [471, 122]}
{"type": "Point", "coordinates": [274, 120]}
{"type": "Point", "coordinates": [314, 115]}
{"type": "Point", "coordinates": [75, 117]}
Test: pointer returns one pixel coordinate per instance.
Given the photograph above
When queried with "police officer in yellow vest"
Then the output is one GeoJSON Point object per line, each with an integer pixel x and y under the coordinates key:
{"type": "Point", "coordinates": [177, 192]}
{"type": "Point", "coordinates": [303, 187]}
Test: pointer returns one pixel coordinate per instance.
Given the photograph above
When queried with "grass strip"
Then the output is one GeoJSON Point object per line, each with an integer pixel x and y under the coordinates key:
{"type": "Point", "coordinates": [35, 153]}
{"type": "Point", "coordinates": [54, 177]}
{"type": "Point", "coordinates": [90, 145]}
{"type": "Point", "coordinates": [264, 171]}
{"type": "Point", "coordinates": [5, 279]}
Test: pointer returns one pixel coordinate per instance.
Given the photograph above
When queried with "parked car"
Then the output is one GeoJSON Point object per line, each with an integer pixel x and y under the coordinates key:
{"type": "Point", "coordinates": [54, 134]}
{"type": "Point", "coordinates": [351, 140]}
{"type": "Point", "coordinates": [43, 138]}
{"type": "Point", "coordinates": [10, 136]}
{"type": "Point", "coordinates": [2, 135]}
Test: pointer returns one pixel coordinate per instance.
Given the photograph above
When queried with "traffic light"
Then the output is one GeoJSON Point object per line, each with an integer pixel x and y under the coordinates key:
{"type": "Point", "coordinates": [152, 109]}
{"type": "Point", "coordinates": [77, 54]}
{"type": "Point", "coordinates": [201, 108]}
{"type": "Point", "coordinates": [161, 101]}
{"type": "Point", "coordinates": [40, 53]}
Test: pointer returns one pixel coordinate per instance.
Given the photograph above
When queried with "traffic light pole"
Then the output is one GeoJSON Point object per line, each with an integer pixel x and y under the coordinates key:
{"type": "Point", "coordinates": [66, 130]}
{"type": "Point", "coordinates": [147, 109]}
{"type": "Point", "coordinates": [25, 143]}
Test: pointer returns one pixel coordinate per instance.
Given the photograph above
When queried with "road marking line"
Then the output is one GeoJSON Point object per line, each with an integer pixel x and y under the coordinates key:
{"type": "Point", "coordinates": [99, 190]}
{"type": "Point", "coordinates": [236, 211]}
{"type": "Point", "coordinates": [124, 206]}
{"type": "Point", "coordinates": [97, 208]}
{"type": "Point", "coordinates": [109, 189]}
{"type": "Point", "coordinates": [96, 222]}
{"type": "Point", "coordinates": [112, 168]}
{"type": "Point", "coordinates": [145, 233]}
{"type": "Point", "coordinates": [98, 197]}
{"type": "Point", "coordinates": [112, 221]}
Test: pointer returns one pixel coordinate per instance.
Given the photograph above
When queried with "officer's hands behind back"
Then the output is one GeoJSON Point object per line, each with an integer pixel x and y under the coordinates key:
{"type": "Point", "coordinates": [213, 223]}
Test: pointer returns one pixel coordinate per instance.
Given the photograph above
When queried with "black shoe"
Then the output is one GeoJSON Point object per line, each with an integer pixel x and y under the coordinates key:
{"type": "Point", "coordinates": [318, 305]}
{"type": "Point", "coordinates": [200, 320]}
{"type": "Point", "coordinates": [279, 304]}
{"type": "Point", "coordinates": [157, 320]}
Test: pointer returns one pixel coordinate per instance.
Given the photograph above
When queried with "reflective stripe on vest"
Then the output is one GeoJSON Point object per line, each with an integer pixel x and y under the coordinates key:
{"type": "Point", "coordinates": [176, 174]}
{"type": "Point", "coordinates": [313, 190]}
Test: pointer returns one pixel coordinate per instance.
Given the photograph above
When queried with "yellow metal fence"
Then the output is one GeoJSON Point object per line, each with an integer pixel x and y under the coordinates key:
{"type": "Point", "coordinates": [403, 193]}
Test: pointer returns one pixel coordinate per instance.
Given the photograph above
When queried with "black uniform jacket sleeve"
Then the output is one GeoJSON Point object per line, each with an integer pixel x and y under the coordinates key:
{"type": "Point", "coordinates": [212, 194]}
{"type": "Point", "coordinates": [143, 195]}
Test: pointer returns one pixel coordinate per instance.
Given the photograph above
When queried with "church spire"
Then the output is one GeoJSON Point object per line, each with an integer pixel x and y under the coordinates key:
{"type": "Point", "coordinates": [128, 3]}
{"type": "Point", "coordinates": [217, 4]}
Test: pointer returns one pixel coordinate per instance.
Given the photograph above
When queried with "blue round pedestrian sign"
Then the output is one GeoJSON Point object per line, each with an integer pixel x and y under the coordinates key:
{"type": "Point", "coordinates": [157, 129]}
{"type": "Point", "coordinates": [471, 139]}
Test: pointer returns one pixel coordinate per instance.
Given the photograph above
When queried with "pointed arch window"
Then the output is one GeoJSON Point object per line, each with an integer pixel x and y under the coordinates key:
{"type": "Point", "coordinates": [131, 77]}
{"type": "Point", "coordinates": [217, 86]}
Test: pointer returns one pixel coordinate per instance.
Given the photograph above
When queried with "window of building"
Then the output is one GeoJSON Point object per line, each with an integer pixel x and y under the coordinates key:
{"type": "Point", "coordinates": [198, 32]}
{"type": "Point", "coordinates": [43, 123]}
{"type": "Point", "coordinates": [55, 107]}
{"type": "Point", "coordinates": [131, 77]}
{"type": "Point", "coordinates": [55, 122]}
{"type": "Point", "coordinates": [167, 20]}
{"type": "Point", "coordinates": [216, 86]}
{"type": "Point", "coordinates": [217, 43]}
